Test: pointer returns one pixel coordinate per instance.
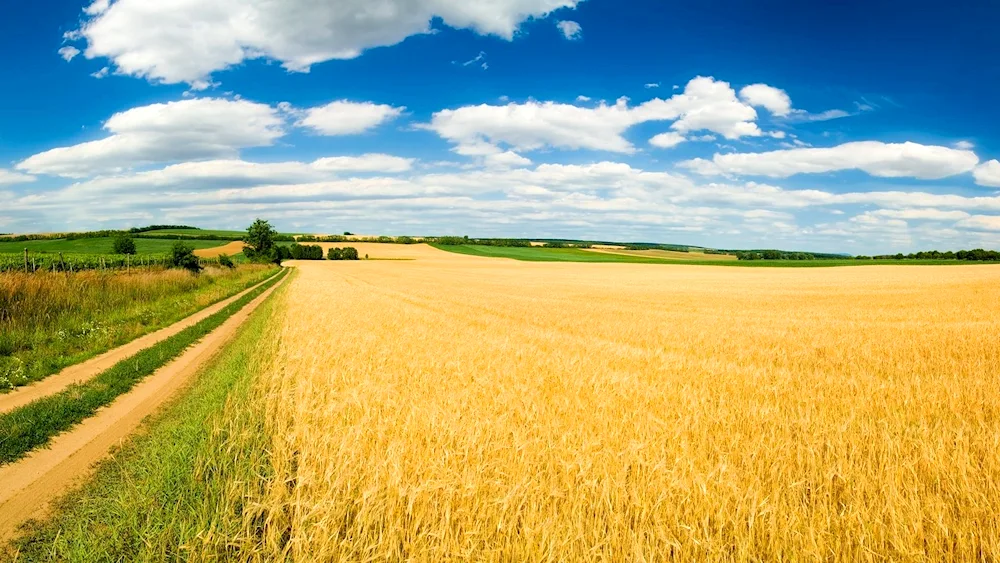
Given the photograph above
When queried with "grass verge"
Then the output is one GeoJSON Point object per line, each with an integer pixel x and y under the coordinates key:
{"type": "Point", "coordinates": [182, 488]}
{"type": "Point", "coordinates": [49, 321]}
{"type": "Point", "coordinates": [34, 424]}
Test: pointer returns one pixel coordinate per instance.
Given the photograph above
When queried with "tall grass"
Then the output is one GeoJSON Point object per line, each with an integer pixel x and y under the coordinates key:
{"type": "Point", "coordinates": [52, 320]}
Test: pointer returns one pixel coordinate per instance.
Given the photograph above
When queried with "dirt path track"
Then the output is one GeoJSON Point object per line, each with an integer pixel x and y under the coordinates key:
{"type": "Point", "coordinates": [30, 485]}
{"type": "Point", "coordinates": [86, 370]}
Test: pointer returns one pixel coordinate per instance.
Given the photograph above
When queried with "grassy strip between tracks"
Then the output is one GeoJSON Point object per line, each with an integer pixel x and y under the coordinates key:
{"type": "Point", "coordinates": [34, 424]}
{"type": "Point", "coordinates": [184, 488]}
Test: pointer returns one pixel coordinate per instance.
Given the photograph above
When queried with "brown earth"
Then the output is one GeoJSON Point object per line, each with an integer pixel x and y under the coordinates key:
{"type": "Point", "coordinates": [231, 249]}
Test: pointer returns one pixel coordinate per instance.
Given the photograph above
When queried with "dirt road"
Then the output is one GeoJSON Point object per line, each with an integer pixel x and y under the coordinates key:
{"type": "Point", "coordinates": [30, 485]}
{"type": "Point", "coordinates": [86, 370]}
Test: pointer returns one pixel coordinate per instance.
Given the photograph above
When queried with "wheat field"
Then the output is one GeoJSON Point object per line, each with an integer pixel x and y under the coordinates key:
{"type": "Point", "coordinates": [462, 408]}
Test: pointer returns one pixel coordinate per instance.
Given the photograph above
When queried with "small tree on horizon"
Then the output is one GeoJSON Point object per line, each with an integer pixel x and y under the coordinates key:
{"type": "Point", "coordinates": [123, 244]}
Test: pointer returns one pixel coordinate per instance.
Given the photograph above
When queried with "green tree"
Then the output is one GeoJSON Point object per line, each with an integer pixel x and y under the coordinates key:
{"type": "Point", "coordinates": [260, 241]}
{"type": "Point", "coordinates": [123, 244]}
{"type": "Point", "coordinates": [182, 256]}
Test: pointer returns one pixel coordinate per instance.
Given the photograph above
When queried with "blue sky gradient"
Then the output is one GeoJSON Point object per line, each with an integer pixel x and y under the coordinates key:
{"type": "Point", "coordinates": [424, 143]}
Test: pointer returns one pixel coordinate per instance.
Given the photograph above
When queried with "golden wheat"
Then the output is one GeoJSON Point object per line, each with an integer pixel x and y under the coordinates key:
{"type": "Point", "coordinates": [460, 408]}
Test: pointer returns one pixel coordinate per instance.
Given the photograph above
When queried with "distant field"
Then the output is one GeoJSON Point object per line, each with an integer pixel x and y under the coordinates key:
{"type": "Point", "coordinates": [667, 254]}
{"type": "Point", "coordinates": [204, 232]}
{"type": "Point", "coordinates": [541, 254]}
{"type": "Point", "coordinates": [100, 245]}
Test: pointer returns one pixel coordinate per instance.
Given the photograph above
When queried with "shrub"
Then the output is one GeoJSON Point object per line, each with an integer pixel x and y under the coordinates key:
{"type": "Point", "coordinates": [306, 252]}
{"type": "Point", "coordinates": [226, 261]}
{"type": "Point", "coordinates": [348, 253]}
{"type": "Point", "coordinates": [182, 256]}
{"type": "Point", "coordinates": [123, 244]}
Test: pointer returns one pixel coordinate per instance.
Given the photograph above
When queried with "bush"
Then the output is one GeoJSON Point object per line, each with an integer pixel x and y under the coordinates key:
{"type": "Point", "coordinates": [182, 256]}
{"type": "Point", "coordinates": [348, 253]}
{"type": "Point", "coordinates": [306, 252]}
{"type": "Point", "coordinates": [123, 244]}
{"type": "Point", "coordinates": [226, 261]}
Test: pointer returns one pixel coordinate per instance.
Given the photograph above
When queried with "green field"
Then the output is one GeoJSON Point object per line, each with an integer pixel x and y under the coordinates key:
{"type": "Point", "coordinates": [542, 254]}
{"type": "Point", "coordinates": [101, 245]}
{"type": "Point", "coordinates": [204, 233]}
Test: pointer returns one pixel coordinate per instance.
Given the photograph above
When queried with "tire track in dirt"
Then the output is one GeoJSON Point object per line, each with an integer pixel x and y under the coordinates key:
{"type": "Point", "coordinates": [31, 484]}
{"type": "Point", "coordinates": [86, 370]}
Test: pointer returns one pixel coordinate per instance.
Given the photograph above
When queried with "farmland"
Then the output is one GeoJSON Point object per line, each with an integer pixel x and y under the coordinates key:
{"type": "Point", "coordinates": [101, 245]}
{"type": "Point", "coordinates": [460, 407]}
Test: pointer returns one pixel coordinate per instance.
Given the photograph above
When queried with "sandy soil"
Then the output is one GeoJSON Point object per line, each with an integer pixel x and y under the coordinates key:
{"type": "Point", "coordinates": [231, 249]}
{"type": "Point", "coordinates": [84, 371]}
{"type": "Point", "coordinates": [30, 485]}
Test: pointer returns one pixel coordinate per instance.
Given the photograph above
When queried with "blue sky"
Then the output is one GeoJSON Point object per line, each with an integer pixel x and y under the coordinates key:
{"type": "Point", "coordinates": [852, 126]}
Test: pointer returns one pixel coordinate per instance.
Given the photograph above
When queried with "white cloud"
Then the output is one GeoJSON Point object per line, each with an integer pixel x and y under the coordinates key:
{"type": "Point", "coordinates": [8, 177]}
{"type": "Point", "coordinates": [68, 52]}
{"type": "Point", "coordinates": [802, 115]}
{"type": "Point", "coordinates": [964, 145]}
{"type": "Point", "coordinates": [176, 131]}
{"type": "Point", "coordinates": [582, 98]}
{"type": "Point", "coordinates": [175, 41]}
{"type": "Point", "coordinates": [773, 99]}
{"type": "Point", "coordinates": [375, 162]}
{"type": "Point", "coordinates": [570, 29]}
{"type": "Point", "coordinates": [101, 73]}
{"type": "Point", "coordinates": [981, 223]}
{"type": "Point", "coordinates": [988, 174]}
{"type": "Point", "coordinates": [344, 117]}
{"type": "Point", "coordinates": [652, 85]}
{"type": "Point", "coordinates": [534, 125]}
{"type": "Point", "coordinates": [667, 140]}
{"type": "Point", "coordinates": [886, 160]}
{"type": "Point", "coordinates": [705, 104]}
{"type": "Point", "coordinates": [506, 159]}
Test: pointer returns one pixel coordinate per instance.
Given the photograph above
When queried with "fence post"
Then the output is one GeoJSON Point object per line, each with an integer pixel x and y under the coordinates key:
{"type": "Point", "coordinates": [25, 260]}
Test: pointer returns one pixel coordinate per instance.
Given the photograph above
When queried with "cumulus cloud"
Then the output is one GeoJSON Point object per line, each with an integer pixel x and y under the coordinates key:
{"type": "Point", "coordinates": [988, 174]}
{"type": "Point", "coordinates": [534, 125]}
{"type": "Point", "coordinates": [705, 104]}
{"type": "Point", "coordinates": [774, 100]}
{"type": "Point", "coordinates": [166, 41]}
{"type": "Point", "coordinates": [376, 162]}
{"type": "Point", "coordinates": [192, 129]}
{"type": "Point", "coordinates": [68, 52]}
{"type": "Point", "coordinates": [667, 140]}
{"type": "Point", "coordinates": [886, 160]}
{"type": "Point", "coordinates": [570, 29]}
{"type": "Point", "coordinates": [344, 117]}
{"type": "Point", "coordinates": [8, 177]}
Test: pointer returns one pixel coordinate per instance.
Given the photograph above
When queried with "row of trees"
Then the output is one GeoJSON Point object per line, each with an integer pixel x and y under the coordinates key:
{"type": "Point", "coordinates": [773, 255]}
{"type": "Point", "coordinates": [974, 255]}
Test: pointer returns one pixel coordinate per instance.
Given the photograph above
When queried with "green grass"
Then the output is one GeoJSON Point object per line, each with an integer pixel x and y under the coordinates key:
{"type": "Point", "coordinates": [34, 424]}
{"type": "Point", "coordinates": [101, 245]}
{"type": "Point", "coordinates": [542, 254]}
{"type": "Point", "coordinates": [55, 320]}
{"type": "Point", "coordinates": [205, 232]}
{"type": "Point", "coordinates": [168, 493]}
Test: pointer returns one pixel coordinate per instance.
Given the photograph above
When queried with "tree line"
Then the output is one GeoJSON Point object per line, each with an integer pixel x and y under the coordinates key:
{"type": "Point", "coordinates": [974, 255]}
